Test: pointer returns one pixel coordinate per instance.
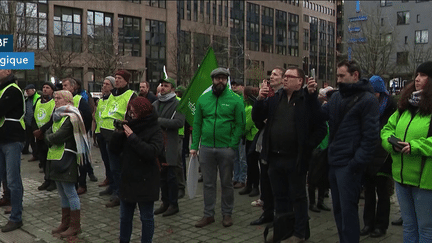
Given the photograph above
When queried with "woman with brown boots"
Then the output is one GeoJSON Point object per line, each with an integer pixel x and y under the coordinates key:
{"type": "Point", "coordinates": [67, 141]}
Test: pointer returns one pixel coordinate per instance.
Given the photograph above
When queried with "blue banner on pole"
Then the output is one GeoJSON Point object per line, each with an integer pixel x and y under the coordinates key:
{"type": "Point", "coordinates": [6, 43]}
{"type": "Point", "coordinates": [17, 60]}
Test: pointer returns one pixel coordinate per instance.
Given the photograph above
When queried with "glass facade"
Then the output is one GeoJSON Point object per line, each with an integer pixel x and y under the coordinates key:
{"type": "Point", "coordinates": [129, 36]}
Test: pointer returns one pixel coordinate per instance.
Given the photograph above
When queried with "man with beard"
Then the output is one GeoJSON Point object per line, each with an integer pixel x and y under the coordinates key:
{"type": "Point", "coordinates": [144, 91]}
{"type": "Point", "coordinates": [219, 123]}
{"type": "Point", "coordinates": [42, 115]}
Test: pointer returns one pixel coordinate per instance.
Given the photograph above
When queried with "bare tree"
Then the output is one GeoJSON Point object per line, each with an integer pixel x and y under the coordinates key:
{"type": "Point", "coordinates": [412, 56]}
{"type": "Point", "coordinates": [372, 44]}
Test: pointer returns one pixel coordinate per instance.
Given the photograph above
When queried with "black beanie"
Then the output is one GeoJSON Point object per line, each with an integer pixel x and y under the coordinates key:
{"type": "Point", "coordinates": [425, 68]}
{"type": "Point", "coordinates": [51, 85]}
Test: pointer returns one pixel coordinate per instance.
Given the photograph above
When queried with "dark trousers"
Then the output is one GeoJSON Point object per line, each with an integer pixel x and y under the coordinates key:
{"type": "Point", "coordinates": [289, 191]}
{"type": "Point", "coordinates": [30, 140]}
{"type": "Point", "coordinates": [185, 146]}
{"type": "Point", "coordinates": [345, 185]}
{"type": "Point", "coordinates": [266, 191]}
{"type": "Point", "coordinates": [321, 194]}
{"type": "Point", "coordinates": [169, 186]}
{"type": "Point", "coordinates": [376, 214]}
{"type": "Point", "coordinates": [85, 169]}
{"type": "Point", "coordinates": [105, 158]}
{"type": "Point", "coordinates": [42, 153]}
{"type": "Point", "coordinates": [252, 167]}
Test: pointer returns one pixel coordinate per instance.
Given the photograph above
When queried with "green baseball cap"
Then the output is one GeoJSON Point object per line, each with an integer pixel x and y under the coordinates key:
{"type": "Point", "coordinates": [169, 80]}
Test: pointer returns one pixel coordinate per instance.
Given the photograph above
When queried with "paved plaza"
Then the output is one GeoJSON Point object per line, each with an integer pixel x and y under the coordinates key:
{"type": "Point", "coordinates": [42, 213]}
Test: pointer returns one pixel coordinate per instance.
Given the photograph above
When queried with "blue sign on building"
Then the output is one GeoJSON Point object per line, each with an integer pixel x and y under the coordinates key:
{"type": "Point", "coordinates": [6, 43]}
{"type": "Point", "coordinates": [354, 29]}
{"type": "Point", "coordinates": [359, 18]}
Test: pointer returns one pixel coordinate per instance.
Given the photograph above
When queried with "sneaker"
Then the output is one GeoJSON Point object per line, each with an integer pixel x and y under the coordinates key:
{"type": "Point", "coordinates": [204, 222]}
{"type": "Point", "coordinates": [257, 203]}
{"type": "Point", "coordinates": [11, 226]}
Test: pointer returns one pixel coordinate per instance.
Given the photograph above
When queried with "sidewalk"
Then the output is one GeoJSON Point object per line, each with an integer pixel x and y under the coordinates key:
{"type": "Point", "coordinates": [42, 213]}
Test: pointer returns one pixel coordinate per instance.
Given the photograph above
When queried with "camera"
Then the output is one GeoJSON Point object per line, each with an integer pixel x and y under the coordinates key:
{"type": "Point", "coordinates": [118, 124]}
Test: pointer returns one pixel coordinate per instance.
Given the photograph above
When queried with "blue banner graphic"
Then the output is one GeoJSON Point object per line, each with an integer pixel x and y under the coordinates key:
{"type": "Point", "coordinates": [6, 43]}
{"type": "Point", "coordinates": [17, 60]}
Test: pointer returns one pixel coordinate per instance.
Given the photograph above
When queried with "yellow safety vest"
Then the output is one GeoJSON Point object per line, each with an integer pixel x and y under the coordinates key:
{"type": "Point", "coordinates": [55, 152]}
{"type": "Point", "coordinates": [43, 112]}
{"type": "Point", "coordinates": [102, 104]}
{"type": "Point", "coordinates": [21, 119]}
{"type": "Point", "coordinates": [76, 100]}
{"type": "Point", "coordinates": [115, 109]}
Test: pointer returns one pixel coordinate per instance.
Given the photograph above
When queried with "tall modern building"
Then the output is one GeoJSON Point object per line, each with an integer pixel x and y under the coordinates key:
{"type": "Point", "coordinates": [391, 36]}
{"type": "Point", "coordinates": [91, 39]}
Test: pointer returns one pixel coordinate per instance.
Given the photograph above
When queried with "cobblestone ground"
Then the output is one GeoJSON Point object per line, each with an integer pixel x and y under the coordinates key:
{"type": "Point", "coordinates": [100, 224]}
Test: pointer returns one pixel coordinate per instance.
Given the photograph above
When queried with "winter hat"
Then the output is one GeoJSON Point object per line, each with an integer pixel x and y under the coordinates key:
{"type": "Point", "coordinates": [425, 68]}
{"type": "Point", "coordinates": [125, 74]}
{"type": "Point", "coordinates": [67, 95]}
{"type": "Point", "coordinates": [50, 84]}
{"type": "Point", "coordinates": [142, 107]}
{"type": "Point", "coordinates": [378, 84]}
{"type": "Point", "coordinates": [30, 86]}
{"type": "Point", "coordinates": [219, 71]}
{"type": "Point", "coordinates": [111, 79]}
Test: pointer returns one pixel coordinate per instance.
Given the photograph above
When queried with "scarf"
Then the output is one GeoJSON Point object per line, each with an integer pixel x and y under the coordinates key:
{"type": "Point", "coordinates": [79, 132]}
{"type": "Point", "coordinates": [166, 97]}
{"type": "Point", "coordinates": [415, 98]}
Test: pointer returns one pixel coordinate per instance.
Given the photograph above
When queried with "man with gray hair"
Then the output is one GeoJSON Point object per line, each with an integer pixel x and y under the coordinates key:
{"type": "Point", "coordinates": [219, 123]}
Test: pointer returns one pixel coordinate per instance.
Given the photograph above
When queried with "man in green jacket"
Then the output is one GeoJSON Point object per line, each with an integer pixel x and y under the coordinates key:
{"type": "Point", "coordinates": [219, 123]}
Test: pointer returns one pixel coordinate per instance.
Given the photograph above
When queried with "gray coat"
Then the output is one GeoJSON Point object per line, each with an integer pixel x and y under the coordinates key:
{"type": "Point", "coordinates": [170, 121]}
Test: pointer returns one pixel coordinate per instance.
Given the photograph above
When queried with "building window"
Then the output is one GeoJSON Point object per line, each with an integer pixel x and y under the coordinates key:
{"type": "Point", "coordinates": [305, 39]}
{"type": "Point", "coordinates": [133, 1]}
{"type": "Point", "coordinates": [293, 34]}
{"type": "Point", "coordinates": [181, 9]}
{"type": "Point", "coordinates": [201, 18]}
{"type": "Point", "coordinates": [195, 10]}
{"type": "Point", "coordinates": [220, 15]}
{"type": "Point", "coordinates": [201, 43]}
{"type": "Point", "coordinates": [403, 17]}
{"type": "Point", "coordinates": [252, 27]}
{"type": "Point", "coordinates": [220, 45]}
{"type": "Point", "coordinates": [155, 49]}
{"type": "Point", "coordinates": [267, 30]}
{"type": "Point", "coordinates": [402, 58]}
{"type": "Point", "coordinates": [129, 36]}
{"type": "Point", "coordinates": [214, 14]}
{"type": "Point", "coordinates": [188, 9]}
{"type": "Point", "coordinates": [67, 28]}
{"type": "Point", "coordinates": [281, 32]}
{"type": "Point", "coordinates": [418, 18]}
{"type": "Point", "coordinates": [31, 24]}
{"type": "Point", "coordinates": [421, 36]}
{"type": "Point", "coordinates": [385, 3]}
{"type": "Point", "coordinates": [406, 39]}
{"type": "Point", "coordinates": [155, 3]}
{"type": "Point", "coordinates": [99, 31]}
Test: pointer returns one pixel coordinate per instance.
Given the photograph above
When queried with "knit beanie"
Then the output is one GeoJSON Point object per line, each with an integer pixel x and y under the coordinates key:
{"type": "Point", "coordinates": [125, 74]}
{"type": "Point", "coordinates": [142, 107]}
{"type": "Point", "coordinates": [425, 68]}
{"type": "Point", "coordinates": [67, 95]}
{"type": "Point", "coordinates": [111, 79]}
{"type": "Point", "coordinates": [378, 84]}
{"type": "Point", "coordinates": [50, 84]}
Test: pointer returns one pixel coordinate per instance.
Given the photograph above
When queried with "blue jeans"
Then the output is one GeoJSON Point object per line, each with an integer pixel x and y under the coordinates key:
{"type": "Point", "coordinates": [416, 208]}
{"type": "Point", "coordinates": [126, 218]}
{"type": "Point", "coordinates": [10, 163]}
{"type": "Point", "coordinates": [240, 165]}
{"type": "Point", "coordinates": [105, 158]}
{"type": "Point", "coordinates": [114, 161]}
{"type": "Point", "coordinates": [210, 160]}
{"type": "Point", "coordinates": [345, 185]}
{"type": "Point", "coordinates": [68, 195]}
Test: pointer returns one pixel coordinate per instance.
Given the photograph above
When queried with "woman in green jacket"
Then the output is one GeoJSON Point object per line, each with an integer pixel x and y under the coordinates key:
{"type": "Point", "coordinates": [412, 162]}
{"type": "Point", "coordinates": [67, 142]}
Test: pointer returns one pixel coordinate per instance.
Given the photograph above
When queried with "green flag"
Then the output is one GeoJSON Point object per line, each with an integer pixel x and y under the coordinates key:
{"type": "Point", "coordinates": [200, 82]}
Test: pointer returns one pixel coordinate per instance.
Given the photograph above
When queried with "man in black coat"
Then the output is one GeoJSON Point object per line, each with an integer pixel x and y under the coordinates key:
{"type": "Point", "coordinates": [293, 131]}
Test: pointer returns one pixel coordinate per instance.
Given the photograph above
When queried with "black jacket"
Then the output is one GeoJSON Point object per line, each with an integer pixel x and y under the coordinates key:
{"type": "Point", "coordinates": [11, 106]}
{"type": "Point", "coordinates": [311, 129]}
{"type": "Point", "coordinates": [140, 171]}
{"type": "Point", "coordinates": [353, 136]}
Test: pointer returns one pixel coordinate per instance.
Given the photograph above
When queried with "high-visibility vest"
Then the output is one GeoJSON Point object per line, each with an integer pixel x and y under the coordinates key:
{"type": "Point", "coordinates": [21, 119]}
{"type": "Point", "coordinates": [115, 109]}
{"type": "Point", "coordinates": [43, 112]}
{"type": "Point", "coordinates": [102, 104]}
{"type": "Point", "coordinates": [55, 152]}
{"type": "Point", "coordinates": [76, 99]}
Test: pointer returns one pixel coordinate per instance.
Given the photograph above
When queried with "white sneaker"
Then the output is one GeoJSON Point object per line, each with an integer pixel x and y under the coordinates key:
{"type": "Point", "coordinates": [257, 203]}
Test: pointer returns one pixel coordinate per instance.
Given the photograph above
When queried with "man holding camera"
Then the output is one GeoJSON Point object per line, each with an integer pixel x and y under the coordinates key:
{"type": "Point", "coordinates": [293, 131]}
{"type": "Point", "coordinates": [116, 108]}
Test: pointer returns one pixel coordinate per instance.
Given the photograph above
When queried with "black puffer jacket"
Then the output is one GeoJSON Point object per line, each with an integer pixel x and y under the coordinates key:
{"type": "Point", "coordinates": [140, 172]}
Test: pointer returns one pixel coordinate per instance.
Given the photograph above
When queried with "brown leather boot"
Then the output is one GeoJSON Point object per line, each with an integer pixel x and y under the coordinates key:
{"type": "Point", "coordinates": [75, 225]}
{"type": "Point", "coordinates": [65, 221]}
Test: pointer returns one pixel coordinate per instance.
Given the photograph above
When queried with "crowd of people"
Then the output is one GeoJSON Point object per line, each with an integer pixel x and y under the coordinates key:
{"type": "Point", "coordinates": [266, 141]}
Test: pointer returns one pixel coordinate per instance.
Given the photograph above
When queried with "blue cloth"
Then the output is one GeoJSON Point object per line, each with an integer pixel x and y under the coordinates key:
{"type": "Point", "coordinates": [240, 164]}
{"type": "Point", "coordinates": [379, 87]}
{"type": "Point", "coordinates": [68, 195]}
{"type": "Point", "coordinates": [147, 220]}
{"type": "Point", "coordinates": [10, 164]}
{"type": "Point", "coordinates": [84, 95]}
{"type": "Point", "coordinates": [416, 213]}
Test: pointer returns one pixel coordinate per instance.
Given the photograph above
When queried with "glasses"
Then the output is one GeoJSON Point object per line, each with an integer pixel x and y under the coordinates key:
{"type": "Point", "coordinates": [290, 76]}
